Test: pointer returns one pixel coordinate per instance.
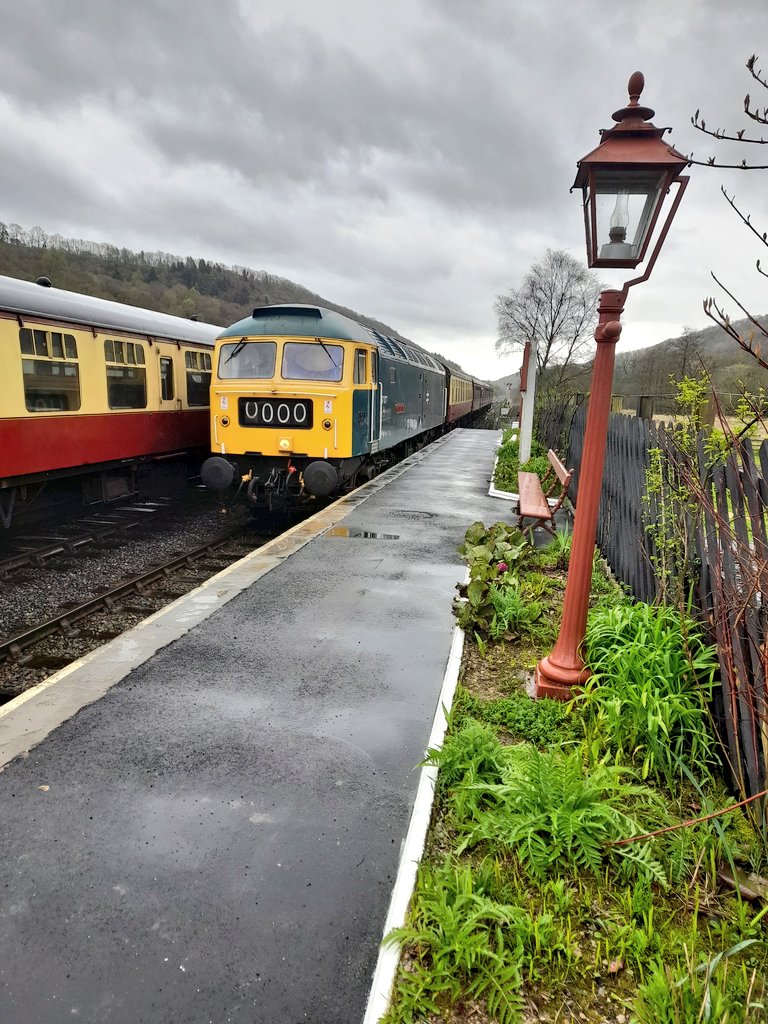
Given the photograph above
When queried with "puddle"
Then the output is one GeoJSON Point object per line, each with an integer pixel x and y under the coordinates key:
{"type": "Point", "coordinates": [413, 514]}
{"type": "Point", "coordinates": [353, 531]}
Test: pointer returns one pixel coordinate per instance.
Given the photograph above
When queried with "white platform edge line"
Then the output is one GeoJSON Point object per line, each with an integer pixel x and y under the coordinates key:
{"type": "Point", "coordinates": [413, 847]}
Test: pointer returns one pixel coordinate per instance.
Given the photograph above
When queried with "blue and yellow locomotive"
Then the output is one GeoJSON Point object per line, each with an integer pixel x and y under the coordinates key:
{"type": "Point", "coordinates": [306, 401]}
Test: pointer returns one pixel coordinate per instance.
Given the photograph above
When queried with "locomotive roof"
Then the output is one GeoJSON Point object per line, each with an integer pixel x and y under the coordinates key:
{"type": "Point", "coordinates": [28, 299]}
{"type": "Point", "coordinates": [298, 320]}
{"type": "Point", "coordinates": [301, 320]}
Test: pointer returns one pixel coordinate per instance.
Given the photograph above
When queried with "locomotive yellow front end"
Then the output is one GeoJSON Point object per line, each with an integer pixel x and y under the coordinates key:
{"type": "Point", "coordinates": [294, 404]}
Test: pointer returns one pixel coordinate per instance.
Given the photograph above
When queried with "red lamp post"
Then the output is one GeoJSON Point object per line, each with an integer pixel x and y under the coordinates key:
{"type": "Point", "coordinates": [624, 183]}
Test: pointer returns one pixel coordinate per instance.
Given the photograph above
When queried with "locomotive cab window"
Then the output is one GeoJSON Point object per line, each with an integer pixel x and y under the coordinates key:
{"type": "Point", "coordinates": [361, 366]}
{"type": "Point", "coordinates": [247, 360]}
{"type": "Point", "coordinates": [126, 375]}
{"type": "Point", "coordinates": [312, 361]}
{"type": "Point", "coordinates": [51, 375]}
{"type": "Point", "coordinates": [198, 369]}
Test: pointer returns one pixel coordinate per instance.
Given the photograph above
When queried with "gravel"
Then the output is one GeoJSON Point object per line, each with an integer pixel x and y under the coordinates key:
{"type": "Point", "coordinates": [38, 593]}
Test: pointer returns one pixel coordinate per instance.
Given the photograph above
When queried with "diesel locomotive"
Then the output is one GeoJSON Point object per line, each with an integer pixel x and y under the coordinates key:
{"type": "Point", "coordinates": [91, 389]}
{"type": "Point", "coordinates": [306, 402]}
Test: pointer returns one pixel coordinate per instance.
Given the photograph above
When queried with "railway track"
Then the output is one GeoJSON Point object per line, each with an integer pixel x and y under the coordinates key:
{"type": "Point", "coordinates": [17, 648]}
{"type": "Point", "coordinates": [29, 656]}
{"type": "Point", "coordinates": [26, 550]}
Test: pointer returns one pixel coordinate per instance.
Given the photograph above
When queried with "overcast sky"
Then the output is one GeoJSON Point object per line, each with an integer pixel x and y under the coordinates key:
{"type": "Point", "coordinates": [407, 158]}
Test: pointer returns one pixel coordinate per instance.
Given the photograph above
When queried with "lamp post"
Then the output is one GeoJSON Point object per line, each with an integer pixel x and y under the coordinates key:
{"type": "Point", "coordinates": [624, 184]}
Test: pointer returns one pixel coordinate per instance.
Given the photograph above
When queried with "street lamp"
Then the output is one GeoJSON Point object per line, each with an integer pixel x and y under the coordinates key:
{"type": "Point", "coordinates": [624, 183]}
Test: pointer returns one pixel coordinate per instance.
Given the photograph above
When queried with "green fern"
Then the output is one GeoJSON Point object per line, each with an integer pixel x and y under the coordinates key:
{"type": "Point", "coordinates": [553, 813]}
{"type": "Point", "coordinates": [463, 944]}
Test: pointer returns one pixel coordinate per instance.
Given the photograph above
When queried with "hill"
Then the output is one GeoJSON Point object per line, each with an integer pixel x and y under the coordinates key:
{"type": "Point", "coordinates": [182, 286]}
{"type": "Point", "coordinates": [649, 371]}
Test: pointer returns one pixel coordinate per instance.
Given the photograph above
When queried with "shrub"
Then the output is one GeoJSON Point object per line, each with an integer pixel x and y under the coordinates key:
{"type": "Point", "coordinates": [652, 676]}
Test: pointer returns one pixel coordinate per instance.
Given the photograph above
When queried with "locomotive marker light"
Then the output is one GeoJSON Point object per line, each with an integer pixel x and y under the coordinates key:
{"type": "Point", "coordinates": [624, 184]}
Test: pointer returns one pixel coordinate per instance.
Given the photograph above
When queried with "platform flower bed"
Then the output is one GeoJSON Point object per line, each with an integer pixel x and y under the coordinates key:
{"type": "Point", "coordinates": [541, 896]}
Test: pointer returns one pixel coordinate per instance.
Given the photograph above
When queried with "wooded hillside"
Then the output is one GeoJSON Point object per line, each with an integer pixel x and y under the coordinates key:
{"type": "Point", "coordinates": [182, 286]}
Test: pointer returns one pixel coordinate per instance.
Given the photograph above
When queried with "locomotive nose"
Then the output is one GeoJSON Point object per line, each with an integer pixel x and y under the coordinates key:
{"type": "Point", "coordinates": [320, 478]}
{"type": "Point", "coordinates": [217, 474]}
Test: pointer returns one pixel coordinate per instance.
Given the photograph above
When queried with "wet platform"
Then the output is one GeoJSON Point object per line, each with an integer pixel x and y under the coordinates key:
{"type": "Point", "coordinates": [208, 823]}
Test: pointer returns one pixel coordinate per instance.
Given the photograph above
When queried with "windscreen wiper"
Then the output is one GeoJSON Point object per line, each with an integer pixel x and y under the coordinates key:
{"type": "Point", "coordinates": [238, 348]}
{"type": "Point", "coordinates": [326, 350]}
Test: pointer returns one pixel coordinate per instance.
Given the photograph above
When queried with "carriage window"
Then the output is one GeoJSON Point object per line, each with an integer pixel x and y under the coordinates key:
{"type": "Point", "coordinates": [248, 360]}
{"type": "Point", "coordinates": [312, 361]}
{"type": "Point", "coordinates": [166, 379]}
{"type": "Point", "coordinates": [126, 387]}
{"type": "Point", "coordinates": [126, 384]}
{"type": "Point", "coordinates": [361, 369]}
{"type": "Point", "coordinates": [198, 377]}
{"type": "Point", "coordinates": [51, 384]}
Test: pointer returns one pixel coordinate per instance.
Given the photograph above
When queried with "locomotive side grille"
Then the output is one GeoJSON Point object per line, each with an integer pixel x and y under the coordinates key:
{"type": "Point", "coordinates": [277, 413]}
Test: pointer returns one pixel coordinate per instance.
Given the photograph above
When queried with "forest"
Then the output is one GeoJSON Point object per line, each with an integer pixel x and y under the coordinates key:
{"type": "Point", "coordinates": [182, 286]}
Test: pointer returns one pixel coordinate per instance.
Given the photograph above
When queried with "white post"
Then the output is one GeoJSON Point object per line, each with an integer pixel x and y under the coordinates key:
{"type": "Point", "coordinates": [527, 399]}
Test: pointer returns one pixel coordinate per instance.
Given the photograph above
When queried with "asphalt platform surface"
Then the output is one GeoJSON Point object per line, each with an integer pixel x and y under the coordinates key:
{"type": "Point", "coordinates": [216, 838]}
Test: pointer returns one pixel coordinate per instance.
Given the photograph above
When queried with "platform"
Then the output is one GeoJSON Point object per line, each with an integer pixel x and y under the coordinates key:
{"type": "Point", "coordinates": [214, 837]}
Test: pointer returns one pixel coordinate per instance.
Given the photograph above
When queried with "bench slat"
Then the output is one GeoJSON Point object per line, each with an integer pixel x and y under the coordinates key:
{"type": "Point", "coordinates": [564, 475]}
{"type": "Point", "coordinates": [532, 499]}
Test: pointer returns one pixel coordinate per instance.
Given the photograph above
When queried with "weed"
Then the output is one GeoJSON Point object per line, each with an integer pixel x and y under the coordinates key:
{"type": "Point", "coordinates": [463, 943]}
{"type": "Point", "coordinates": [471, 753]}
{"type": "Point", "coordinates": [494, 554]}
{"type": "Point", "coordinates": [713, 991]}
{"type": "Point", "coordinates": [652, 675]}
{"type": "Point", "coordinates": [555, 815]}
{"type": "Point", "coordinates": [541, 722]}
{"type": "Point", "coordinates": [512, 613]}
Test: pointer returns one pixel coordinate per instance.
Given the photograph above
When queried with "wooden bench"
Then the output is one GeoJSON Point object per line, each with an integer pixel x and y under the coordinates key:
{"type": "Point", "coordinates": [533, 502]}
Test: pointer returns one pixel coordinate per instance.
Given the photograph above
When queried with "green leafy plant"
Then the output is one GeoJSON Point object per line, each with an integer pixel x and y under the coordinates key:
{"type": "Point", "coordinates": [550, 810]}
{"type": "Point", "coordinates": [461, 943]}
{"type": "Point", "coordinates": [541, 722]}
{"type": "Point", "coordinates": [508, 462]}
{"type": "Point", "coordinates": [470, 753]}
{"type": "Point", "coordinates": [494, 554]}
{"type": "Point", "coordinates": [712, 992]}
{"type": "Point", "coordinates": [512, 613]}
{"type": "Point", "coordinates": [652, 676]}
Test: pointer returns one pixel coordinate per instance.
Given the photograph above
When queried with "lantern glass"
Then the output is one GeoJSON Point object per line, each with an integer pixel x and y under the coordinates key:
{"type": "Point", "coordinates": [626, 204]}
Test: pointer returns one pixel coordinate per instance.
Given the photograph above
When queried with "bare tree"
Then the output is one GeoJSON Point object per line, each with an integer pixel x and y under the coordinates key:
{"type": "Point", "coordinates": [751, 340]}
{"type": "Point", "coordinates": [686, 351]}
{"type": "Point", "coordinates": [556, 307]}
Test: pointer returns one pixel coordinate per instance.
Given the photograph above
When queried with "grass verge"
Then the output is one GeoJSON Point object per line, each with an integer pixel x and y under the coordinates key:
{"type": "Point", "coordinates": [541, 896]}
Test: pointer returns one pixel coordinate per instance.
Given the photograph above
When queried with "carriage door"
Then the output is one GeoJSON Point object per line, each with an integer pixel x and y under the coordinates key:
{"type": "Point", "coordinates": [167, 383]}
{"type": "Point", "coordinates": [361, 405]}
{"type": "Point", "coordinates": [376, 388]}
